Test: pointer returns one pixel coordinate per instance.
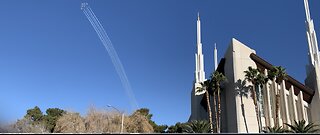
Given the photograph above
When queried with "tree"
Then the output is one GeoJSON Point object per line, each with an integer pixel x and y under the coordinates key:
{"type": "Point", "coordinates": [278, 73]}
{"type": "Point", "coordinates": [35, 115]}
{"type": "Point", "coordinates": [36, 121]}
{"type": "Point", "coordinates": [53, 114]}
{"type": "Point", "coordinates": [177, 128]}
{"type": "Point", "coordinates": [217, 78]}
{"type": "Point", "coordinates": [302, 127]}
{"type": "Point", "coordinates": [196, 126]}
{"type": "Point", "coordinates": [32, 122]}
{"type": "Point", "coordinates": [157, 128]}
{"type": "Point", "coordinates": [138, 122]}
{"type": "Point", "coordinates": [144, 112]}
{"type": "Point", "coordinates": [261, 80]}
{"type": "Point", "coordinates": [251, 76]}
{"type": "Point", "coordinates": [205, 86]}
{"type": "Point", "coordinates": [27, 125]}
{"type": "Point", "coordinates": [160, 128]}
{"type": "Point", "coordinates": [276, 130]}
{"type": "Point", "coordinates": [213, 93]}
{"type": "Point", "coordinates": [49, 120]}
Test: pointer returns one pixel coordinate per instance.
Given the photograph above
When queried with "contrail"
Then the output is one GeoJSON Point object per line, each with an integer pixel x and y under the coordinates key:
{"type": "Point", "coordinates": [111, 51]}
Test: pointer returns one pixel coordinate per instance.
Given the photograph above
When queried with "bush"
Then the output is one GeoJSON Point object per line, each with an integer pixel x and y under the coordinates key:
{"type": "Point", "coordinates": [102, 121]}
{"type": "Point", "coordinates": [138, 123]}
{"type": "Point", "coordinates": [27, 125]}
{"type": "Point", "coordinates": [70, 123]}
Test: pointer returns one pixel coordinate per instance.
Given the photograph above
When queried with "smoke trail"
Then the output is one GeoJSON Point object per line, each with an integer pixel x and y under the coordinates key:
{"type": "Point", "coordinates": [111, 51]}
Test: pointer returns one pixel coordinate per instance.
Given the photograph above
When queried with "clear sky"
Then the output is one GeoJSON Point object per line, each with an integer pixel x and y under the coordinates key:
{"type": "Point", "coordinates": [50, 56]}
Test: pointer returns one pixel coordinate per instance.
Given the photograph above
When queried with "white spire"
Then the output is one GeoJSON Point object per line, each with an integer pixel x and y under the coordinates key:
{"type": "Point", "coordinates": [312, 39]}
{"type": "Point", "coordinates": [306, 7]}
{"type": "Point", "coordinates": [199, 73]}
{"type": "Point", "coordinates": [215, 57]}
{"type": "Point", "coordinates": [198, 16]}
{"type": "Point", "coordinates": [199, 45]}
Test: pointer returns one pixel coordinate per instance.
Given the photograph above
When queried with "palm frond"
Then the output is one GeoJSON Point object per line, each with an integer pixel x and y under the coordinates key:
{"type": "Point", "coordinates": [197, 126]}
{"type": "Point", "coordinates": [276, 130]}
{"type": "Point", "coordinates": [301, 127]}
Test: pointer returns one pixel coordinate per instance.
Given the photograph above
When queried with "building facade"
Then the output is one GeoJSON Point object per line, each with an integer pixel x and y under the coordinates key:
{"type": "Point", "coordinates": [297, 101]}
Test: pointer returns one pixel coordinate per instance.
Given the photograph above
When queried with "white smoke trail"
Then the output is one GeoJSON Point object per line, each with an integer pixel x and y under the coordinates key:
{"type": "Point", "coordinates": [111, 51]}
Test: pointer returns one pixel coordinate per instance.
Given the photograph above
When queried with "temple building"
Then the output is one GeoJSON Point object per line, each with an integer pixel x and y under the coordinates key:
{"type": "Point", "coordinates": [298, 101]}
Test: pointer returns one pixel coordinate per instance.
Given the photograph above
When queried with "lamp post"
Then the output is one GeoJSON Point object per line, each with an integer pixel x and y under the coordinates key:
{"type": "Point", "coordinates": [122, 117]}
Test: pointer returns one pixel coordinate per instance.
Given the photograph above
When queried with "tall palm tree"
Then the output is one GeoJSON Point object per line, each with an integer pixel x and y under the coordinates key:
{"type": "Point", "coordinates": [196, 126]}
{"type": "Point", "coordinates": [217, 78]}
{"type": "Point", "coordinates": [213, 91]}
{"type": "Point", "coordinates": [251, 76]}
{"type": "Point", "coordinates": [205, 86]}
{"type": "Point", "coordinates": [302, 127]}
{"type": "Point", "coordinates": [261, 80]}
{"type": "Point", "coordinates": [278, 73]}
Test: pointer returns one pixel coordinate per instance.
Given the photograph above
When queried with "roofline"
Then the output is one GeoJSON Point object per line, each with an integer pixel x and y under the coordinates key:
{"type": "Point", "coordinates": [310, 92]}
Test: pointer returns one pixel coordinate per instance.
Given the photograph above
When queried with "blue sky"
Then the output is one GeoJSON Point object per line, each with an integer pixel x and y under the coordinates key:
{"type": "Point", "coordinates": [50, 56]}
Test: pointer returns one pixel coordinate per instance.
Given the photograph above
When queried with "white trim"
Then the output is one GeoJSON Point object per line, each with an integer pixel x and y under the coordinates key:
{"type": "Point", "coordinates": [269, 121]}
{"type": "Point", "coordinates": [301, 104]}
{"type": "Point", "coordinates": [294, 98]}
{"type": "Point", "coordinates": [285, 104]}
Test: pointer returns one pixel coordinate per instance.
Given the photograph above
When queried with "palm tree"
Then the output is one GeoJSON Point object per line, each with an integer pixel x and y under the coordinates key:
{"type": "Point", "coordinates": [276, 130]}
{"type": "Point", "coordinates": [213, 92]}
{"type": "Point", "coordinates": [217, 78]}
{"type": "Point", "coordinates": [278, 73]}
{"type": "Point", "coordinates": [261, 80]}
{"type": "Point", "coordinates": [242, 90]}
{"type": "Point", "coordinates": [251, 76]}
{"type": "Point", "coordinates": [196, 126]}
{"type": "Point", "coordinates": [205, 86]}
{"type": "Point", "coordinates": [301, 127]}
{"type": "Point", "coordinates": [177, 128]}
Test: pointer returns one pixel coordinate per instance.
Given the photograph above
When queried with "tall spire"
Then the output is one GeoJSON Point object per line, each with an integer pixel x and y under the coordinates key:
{"type": "Point", "coordinates": [215, 57]}
{"type": "Point", "coordinates": [306, 7]}
{"type": "Point", "coordinates": [312, 39]}
{"type": "Point", "coordinates": [199, 73]}
{"type": "Point", "coordinates": [199, 45]}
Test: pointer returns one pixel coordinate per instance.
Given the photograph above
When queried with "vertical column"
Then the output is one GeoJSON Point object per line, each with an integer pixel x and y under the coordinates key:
{"type": "Point", "coordinates": [301, 104]}
{"type": "Point", "coordinates": [268, 104]}
{"type": "Point", "coordinates": [293, 99]}
{"type": "Point", "coordinates": [286, 115]}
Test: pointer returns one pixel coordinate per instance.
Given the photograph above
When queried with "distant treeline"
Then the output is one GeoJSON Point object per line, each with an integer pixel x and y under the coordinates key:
{"type": "Point", "coordinates": [56, 120]}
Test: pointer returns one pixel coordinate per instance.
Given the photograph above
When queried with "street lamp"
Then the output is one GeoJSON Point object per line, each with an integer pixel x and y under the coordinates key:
{"type": "Point", "coordinates": [122, 117]}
